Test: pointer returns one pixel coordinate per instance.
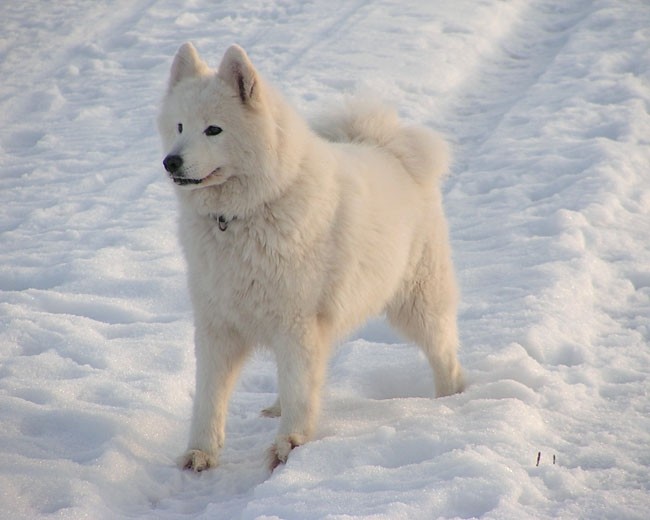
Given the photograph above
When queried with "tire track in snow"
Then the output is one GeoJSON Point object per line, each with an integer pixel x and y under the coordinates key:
{"type": "Point", "coordinates": [498, 148]}
{"type": "Point", "coordinates": [548, 202]}
{"type": "Point", "coordinates": [502, 80]}
{"type": "Point", "coordinates": [483, 116]}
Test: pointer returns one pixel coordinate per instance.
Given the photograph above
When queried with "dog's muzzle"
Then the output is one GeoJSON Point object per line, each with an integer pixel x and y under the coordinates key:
{"type": "Point", "coordinates": [173, 165]}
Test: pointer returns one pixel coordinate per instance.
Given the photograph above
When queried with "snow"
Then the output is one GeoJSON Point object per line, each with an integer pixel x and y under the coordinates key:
{"type": "Point", "coordinates": [547, 104]}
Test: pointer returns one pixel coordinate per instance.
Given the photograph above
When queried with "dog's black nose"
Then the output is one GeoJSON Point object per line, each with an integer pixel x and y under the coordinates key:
{"type": "Point", "coordinates": [173, 163]}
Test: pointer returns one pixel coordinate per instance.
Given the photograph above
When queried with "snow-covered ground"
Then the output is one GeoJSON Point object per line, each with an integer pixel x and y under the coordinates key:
{"type": "Point", "coordinates": [547, 104]}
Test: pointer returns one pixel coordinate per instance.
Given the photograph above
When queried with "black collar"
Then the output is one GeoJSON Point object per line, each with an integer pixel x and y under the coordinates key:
{"type": "Point", "coordinates": [222, 221]}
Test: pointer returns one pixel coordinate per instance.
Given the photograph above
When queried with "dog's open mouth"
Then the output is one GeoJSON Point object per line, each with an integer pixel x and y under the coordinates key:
{"type": "Point", "coordinates": [184, 181]}
{"type": "Point", "coordinates": [208, 180]}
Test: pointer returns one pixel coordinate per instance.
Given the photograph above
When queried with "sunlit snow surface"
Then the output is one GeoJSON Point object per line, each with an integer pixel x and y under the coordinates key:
{"type": "Point", "coordinates": [547, 104]}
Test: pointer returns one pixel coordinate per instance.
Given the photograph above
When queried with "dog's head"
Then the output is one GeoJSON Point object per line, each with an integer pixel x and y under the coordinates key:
{"type": "Point", "coordinates": [214, 125]}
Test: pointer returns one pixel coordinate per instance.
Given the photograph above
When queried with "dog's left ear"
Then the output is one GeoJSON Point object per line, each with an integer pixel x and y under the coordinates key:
{"type": "Point", "coordinates": [237, 71]}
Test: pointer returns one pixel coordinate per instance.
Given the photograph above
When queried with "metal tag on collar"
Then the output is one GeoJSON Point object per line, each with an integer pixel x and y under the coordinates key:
{"type": "Point", "coordinates": [222, 222]}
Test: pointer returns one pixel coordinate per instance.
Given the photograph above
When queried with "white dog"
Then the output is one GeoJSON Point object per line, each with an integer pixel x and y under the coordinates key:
{"type": "Point", "coordinates": [293, 239]}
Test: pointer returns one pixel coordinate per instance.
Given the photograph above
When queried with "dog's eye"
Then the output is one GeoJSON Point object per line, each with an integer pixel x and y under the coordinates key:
{"type": "Point", "coordinates": [180, 128]}
{"type": "Point", "coordinates": [212, 130]}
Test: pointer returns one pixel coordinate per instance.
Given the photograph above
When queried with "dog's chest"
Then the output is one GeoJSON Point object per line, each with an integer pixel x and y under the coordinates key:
{"type": "Point", "coordinates": [248, 275]}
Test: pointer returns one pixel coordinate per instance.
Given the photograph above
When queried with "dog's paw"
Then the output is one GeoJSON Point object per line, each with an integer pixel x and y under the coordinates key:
{"type": "Point", "coordinates": [197, 461]}
{"type": "Point", "coordinates": [279, 452]}
{"type": "Point", "coordinates": [454, 384]}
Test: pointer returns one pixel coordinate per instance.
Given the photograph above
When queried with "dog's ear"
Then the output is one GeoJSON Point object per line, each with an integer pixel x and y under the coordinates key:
{"type": "Point", "coordinates": [238, 72]}
{"type": "Point", "coordinates": [187, 64]}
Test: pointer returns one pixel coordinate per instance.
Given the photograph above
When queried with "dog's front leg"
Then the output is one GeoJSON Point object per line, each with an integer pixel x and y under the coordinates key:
{"type": "Point", "coordinates": [219, 358]}
{"type": "Point", "coordinates": [301, 370]}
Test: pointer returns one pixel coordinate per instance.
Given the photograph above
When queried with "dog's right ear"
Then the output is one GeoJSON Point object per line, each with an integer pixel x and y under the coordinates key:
{"type": "Point", "coordinates": [187, 64]}
{"type": "Point", "coordinates": [237, 71]}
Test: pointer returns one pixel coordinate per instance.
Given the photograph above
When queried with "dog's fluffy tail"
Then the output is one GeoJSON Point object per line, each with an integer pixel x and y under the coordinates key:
{"type": "Point", "coordinates": [424, 154]}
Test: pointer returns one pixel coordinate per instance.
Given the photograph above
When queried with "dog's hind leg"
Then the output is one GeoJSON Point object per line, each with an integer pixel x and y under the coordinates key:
{"type": "Point", "coordinates": [424, 310]}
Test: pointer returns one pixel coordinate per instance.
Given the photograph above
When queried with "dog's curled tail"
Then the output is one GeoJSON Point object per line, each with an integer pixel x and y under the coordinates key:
{"type": "Point", "coordinates": [424, 154]}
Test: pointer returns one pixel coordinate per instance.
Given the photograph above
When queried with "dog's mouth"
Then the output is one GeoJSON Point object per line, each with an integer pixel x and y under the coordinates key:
{"type": "Point", "coordinates": [183, 181]}
{"type": "Point", "coordinates": [211, 179]}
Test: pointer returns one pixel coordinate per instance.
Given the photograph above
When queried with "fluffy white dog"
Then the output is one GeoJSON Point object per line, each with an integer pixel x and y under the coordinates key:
{"type": "Point", "coordinates": [293, 239]}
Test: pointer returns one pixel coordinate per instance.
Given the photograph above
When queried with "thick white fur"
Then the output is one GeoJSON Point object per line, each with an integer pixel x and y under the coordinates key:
{"type": "Point", "coordinates": [322, 232]}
